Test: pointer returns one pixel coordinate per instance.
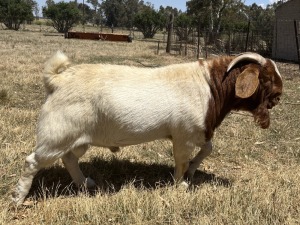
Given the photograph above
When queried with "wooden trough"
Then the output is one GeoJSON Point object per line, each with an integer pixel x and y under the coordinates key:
{"type": "Point", "coordinates": [98, 36]}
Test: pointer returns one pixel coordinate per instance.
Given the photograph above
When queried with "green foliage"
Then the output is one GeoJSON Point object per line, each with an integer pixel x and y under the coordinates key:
{"type": "Point", "coordinates": [63, 15]}
{"type": "Point", "coordinates": [96, 12]}
{"type": "Point", "coordinates": [132, 8]}
{"type": "Point", "coordinates": [121, 12]}
{"type": "Point", "coordinates": [149, 21]}
{"type": "Point", "coordinates": [95, 3]}
{"type": "Point", "coordinates": [212, 14]}
{"type": "Point", "coordinates": [262, 21]}
{"type": "Point", "coordinates": [167, 11]}
{"type": "Point", "coordinates": [14, 12]}
{"type": "Point", "coordinates": [183, 26]}
{"type": "Point", "coordinates": [183, 20]}
{"type": "Point", "coordinates": [87, 14]}
{"type": "Point", "coordinates": [114, 11]}
{"type": "Point", "coordinates": [235, 18]}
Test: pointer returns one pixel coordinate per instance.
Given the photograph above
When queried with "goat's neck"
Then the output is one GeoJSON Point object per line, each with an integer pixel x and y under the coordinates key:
{"type": "Point", "coordinates": [222, 99]}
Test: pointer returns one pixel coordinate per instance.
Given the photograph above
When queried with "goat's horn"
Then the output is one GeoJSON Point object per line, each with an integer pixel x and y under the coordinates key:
{"type": "Point", "coordinates": [248, 56]}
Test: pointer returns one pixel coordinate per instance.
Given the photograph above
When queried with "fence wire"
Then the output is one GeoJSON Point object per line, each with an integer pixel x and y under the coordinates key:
{"type": "Point", "coordinates": [281, 43]}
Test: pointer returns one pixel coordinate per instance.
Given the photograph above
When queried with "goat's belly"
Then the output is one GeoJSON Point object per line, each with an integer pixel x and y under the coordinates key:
{"type": "Point", "coordinates": [107, 137]}
{"type": "Point", "coordinates": [136, 120]}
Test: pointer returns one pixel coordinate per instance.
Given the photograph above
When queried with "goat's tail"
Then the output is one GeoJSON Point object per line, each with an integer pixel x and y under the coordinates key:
{"type": "Point", "coordinates": [53, 67]}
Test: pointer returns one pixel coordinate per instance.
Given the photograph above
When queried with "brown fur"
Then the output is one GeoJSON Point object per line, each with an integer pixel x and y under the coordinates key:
{"type": "Point", "coordinates": [223, 93]}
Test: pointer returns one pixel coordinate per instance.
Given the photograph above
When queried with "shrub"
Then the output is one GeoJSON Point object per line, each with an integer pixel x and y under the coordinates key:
{"type": "Point", "coordinates": [14, 12]}
{"type": "Point", "coordinates": [63, 15]}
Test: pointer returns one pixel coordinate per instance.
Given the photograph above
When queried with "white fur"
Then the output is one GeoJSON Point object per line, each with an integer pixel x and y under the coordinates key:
{"type": "Point", "coordinates": [112, 106]}
{"type": "Point", "coordinates": [276, 69]}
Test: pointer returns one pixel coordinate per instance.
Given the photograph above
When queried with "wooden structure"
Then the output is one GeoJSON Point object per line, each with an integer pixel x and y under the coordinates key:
{"type": "Point", "coordinates": [98, 36]}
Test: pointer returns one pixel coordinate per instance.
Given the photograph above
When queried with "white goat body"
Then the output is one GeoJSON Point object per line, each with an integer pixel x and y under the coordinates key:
{"type": "Point", "coordinates": [110, 105]}
{"type": "Point", "coordinates": [113, 106]}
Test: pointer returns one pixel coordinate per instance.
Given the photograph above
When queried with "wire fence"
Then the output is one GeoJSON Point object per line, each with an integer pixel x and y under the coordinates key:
{"type": "Point", "coordinates": [282, 43]}
{"type": "Point", "coordinates": [203, 43]}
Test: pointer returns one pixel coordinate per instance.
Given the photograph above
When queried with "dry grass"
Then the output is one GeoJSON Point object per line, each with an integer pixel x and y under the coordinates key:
{"type": "Point", "coordinates": [252, 177]}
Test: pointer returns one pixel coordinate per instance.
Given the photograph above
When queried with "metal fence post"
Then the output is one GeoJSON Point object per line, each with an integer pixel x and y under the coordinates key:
{"type": "Point", "coordinates": [297, 41]}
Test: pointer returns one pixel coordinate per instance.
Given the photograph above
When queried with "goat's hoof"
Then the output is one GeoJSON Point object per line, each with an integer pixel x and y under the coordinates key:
{"type": "Point", "coordinates": [189, 176]}
{"type": "Point", "coordinates": [17, 200]}
{"type": "Point", "coordinates": [183, 185]}
{"type": "Point", "coordinates": [90, 183]}
{"type": "Point", "coordinates": [114, 149]}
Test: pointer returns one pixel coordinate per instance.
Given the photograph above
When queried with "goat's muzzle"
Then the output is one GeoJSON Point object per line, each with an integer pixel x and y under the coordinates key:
{"type": "Point", "coordinates": [273, 102]}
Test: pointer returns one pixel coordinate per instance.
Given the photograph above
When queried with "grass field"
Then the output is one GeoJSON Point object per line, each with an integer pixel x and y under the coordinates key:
{"type": "Point", "coordinates": [252, 176]}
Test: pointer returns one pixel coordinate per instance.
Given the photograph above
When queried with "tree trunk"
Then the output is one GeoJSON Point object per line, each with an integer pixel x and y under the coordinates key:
{"type": "Point", "coordinates": [170, 32]}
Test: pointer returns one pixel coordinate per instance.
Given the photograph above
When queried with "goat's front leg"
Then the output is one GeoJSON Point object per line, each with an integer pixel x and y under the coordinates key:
{"type": "Point", "coordinates": [70, 161]}
{"type": "Point", "coordinates": [205, 151]}
{"type": "Point", "coordinates": [182, 152]}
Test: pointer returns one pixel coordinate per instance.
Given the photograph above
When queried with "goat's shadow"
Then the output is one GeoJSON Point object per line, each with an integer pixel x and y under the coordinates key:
{"type": "Point", "coordinates": [111, 176]}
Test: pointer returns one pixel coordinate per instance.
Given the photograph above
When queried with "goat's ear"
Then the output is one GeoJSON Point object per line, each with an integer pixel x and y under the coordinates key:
{"type": "Point", "coordinates": [247, 83]}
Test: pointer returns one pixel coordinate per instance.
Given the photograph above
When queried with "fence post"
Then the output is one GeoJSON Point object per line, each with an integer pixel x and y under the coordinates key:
{"type": "Point", "coordinates": [205, 44]}
{"type": "Point", "coordinates": [198, 43]}
{"type": "Point", "coordinates": [170, 31]}
{"type": "Point", "coordinates": [247, 37]}
{"type": "Point", "coordinates": [180, 46]}
{"type": "Point", "coordinates": [186, 41]}
{"type": "Point", "coordinates": [229, 43]}
{"type": "Point", "coordinates": [297, 41]}
{"type": "Point", "coordinates": [158, 47]}
{"type": "Point", "coordinates": [274, 53]}
{"type": "Point", "coordinates": [252, 36]}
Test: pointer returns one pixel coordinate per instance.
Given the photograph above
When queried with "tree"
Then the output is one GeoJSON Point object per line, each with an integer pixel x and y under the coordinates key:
{"type": "Point", "coordinates": [167, 11]}
{"type": "Point", "coordinates": [114, 11]}
{"type": "Point", "coordinates": [36, 10]}
{"type": "Point", "coordinates": [149, 21]}
{"type": "Point", "coordinates": [96, 16]}
{"type": "Point", "coordinates": [210, 13]}
{"type": "Point", "coordinates": [121, 12]}
{"type": "Point", "coordinates": [86, 13]}
{"type": "Point", "coordinates": [14, 12]}
{"type": "Point", "coordinates": [183, 26]}
{"type": "Point", "coordinates": [94, 3]}
{"type": "Point", "coordinates": [50, 2]}
{"type": "Point", "coordinates": [63, 15]}
{"type": "Point", "coordinates": [263, 20]}
{"type": "Point", "coordinates": [132, 7]}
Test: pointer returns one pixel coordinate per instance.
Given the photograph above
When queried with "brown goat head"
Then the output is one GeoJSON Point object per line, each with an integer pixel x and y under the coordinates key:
{"type": "Point", "coordinates": [259, 85]}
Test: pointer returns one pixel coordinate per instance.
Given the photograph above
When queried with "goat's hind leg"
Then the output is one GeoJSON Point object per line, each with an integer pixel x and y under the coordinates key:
{"type": "Point", "coordinates": [70, 161]}
{"type": "Point", "coordinates": [33, 163]}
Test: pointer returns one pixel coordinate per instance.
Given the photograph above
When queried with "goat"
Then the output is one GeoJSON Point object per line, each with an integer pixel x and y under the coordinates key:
{"type": "Point", "coordinates": [113, 106]}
